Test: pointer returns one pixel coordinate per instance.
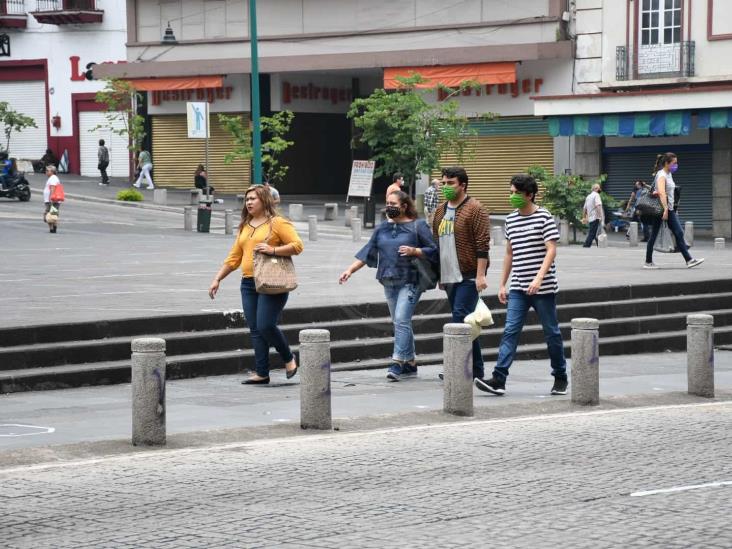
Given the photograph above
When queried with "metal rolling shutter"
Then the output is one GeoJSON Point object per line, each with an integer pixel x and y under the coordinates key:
{"type": "Point", "coordinates": [28, 98]}
{"type": "Point", "coordinates": [694, 177]}
{"type": "Point", "coordinates": [119, 153]}
{"type": "Point", "coordinates": [496, 159]}
{"type": "Point", "coordinates": [175, 157]}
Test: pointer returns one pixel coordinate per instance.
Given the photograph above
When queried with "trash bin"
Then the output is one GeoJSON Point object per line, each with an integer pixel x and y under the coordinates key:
{"type": "Point", "coordinates": [369, 213]}
{"type": "Point", "coordinates": [203, 220]}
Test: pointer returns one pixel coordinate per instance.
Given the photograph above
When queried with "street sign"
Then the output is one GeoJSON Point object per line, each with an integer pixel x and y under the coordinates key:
{"type": "Point", "coordinates": [362, 177]}
{"type": "Point", "coordinates": [197, 120]}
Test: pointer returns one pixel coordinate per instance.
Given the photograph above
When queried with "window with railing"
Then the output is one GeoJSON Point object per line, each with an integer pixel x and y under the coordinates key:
{"type": "Point", "coordinates": [12, 7]}
{"type": "Point", "coordinates": [58, 5]}
{"type": "Point", "coordinates": [655, 61]}
{"type": "Point", "coordinates": [659, 50]}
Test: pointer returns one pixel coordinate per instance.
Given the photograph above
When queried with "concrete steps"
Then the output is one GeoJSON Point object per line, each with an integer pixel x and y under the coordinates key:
{"type": "Point", "coordinates": [632, 320]}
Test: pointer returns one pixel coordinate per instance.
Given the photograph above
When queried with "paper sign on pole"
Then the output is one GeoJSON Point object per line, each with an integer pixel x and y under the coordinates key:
{"type": "Point", "coordinates": [197, 120]}
{"type": "Point", "coordinates": [362, 177]}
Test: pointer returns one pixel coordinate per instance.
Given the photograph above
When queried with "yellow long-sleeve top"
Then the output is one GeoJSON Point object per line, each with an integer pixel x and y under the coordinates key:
{"type": "Point", "coordinates": [242, 252]}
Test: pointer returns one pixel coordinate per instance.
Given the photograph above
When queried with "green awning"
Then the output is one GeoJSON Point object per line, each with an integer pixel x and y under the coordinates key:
{"type": "Point", "coordinates": [641, 124]}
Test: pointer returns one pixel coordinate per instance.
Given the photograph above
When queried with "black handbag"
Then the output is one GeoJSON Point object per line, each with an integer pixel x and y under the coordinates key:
{"type": "Point", "coordinates": [428, 272]}
{"type": "Point", "coordinates": [649, 205]}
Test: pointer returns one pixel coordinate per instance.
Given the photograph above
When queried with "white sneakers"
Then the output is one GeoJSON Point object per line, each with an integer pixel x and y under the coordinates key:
{"type": "Point", "coordinates": [694, 262]}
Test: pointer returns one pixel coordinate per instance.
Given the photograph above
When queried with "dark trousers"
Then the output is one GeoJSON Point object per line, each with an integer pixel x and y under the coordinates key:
{"type": "Point", "coordinates": [592, 233]}
{"type": "Point", "coordinates": [463, 297]}
{"type": "Point", "coordinates": [678, 232]}
{"type": "Point", "coordinates": [263, 313]}
{"type": "Point", "coordinates": [103, 170]}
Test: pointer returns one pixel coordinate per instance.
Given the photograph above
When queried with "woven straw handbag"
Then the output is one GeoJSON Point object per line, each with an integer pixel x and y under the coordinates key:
{"type": "Point", "coordinates": [273, 274]}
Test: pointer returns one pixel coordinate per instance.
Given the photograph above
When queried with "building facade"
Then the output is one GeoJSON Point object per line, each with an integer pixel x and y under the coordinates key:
{"type": "Point", "coordinates": [315, 56]}
{"type": "Point", "coordinates": [45, 73]}
{"type": "Point", "coordinates": [652, 76]}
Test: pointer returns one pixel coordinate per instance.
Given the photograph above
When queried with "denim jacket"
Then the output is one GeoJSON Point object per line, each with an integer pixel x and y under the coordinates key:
{"type": "Point", "coordinates": [382, 251]}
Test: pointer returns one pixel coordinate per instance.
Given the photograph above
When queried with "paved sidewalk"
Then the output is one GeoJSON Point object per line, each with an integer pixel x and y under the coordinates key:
{"type": "Point", "coordinates": [96, 414]}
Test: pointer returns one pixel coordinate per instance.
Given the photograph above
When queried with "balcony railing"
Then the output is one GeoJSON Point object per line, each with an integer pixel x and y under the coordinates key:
{"type": "Point", "coordinates": [655, 61]}
{"type": "Point", "coordinates": [63, 5]}
{"type": "Point", "coordinates": [12, 7]}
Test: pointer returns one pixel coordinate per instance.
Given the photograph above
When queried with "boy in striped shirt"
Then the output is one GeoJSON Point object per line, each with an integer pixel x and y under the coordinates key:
{"type": "Point", "coordinates": [531, 246]}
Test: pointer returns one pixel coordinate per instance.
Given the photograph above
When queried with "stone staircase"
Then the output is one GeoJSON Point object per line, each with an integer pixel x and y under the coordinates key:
{"type": "Point", "coordinates": [633, 319]}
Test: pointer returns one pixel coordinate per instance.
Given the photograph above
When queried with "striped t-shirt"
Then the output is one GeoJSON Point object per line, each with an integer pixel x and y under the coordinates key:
{"type": "Point", "coordinates": [527, 235]}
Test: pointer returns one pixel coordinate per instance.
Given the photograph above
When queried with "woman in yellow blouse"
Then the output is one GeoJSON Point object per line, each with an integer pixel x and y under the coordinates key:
{"type": "Point", "coordinates": [261, 230]}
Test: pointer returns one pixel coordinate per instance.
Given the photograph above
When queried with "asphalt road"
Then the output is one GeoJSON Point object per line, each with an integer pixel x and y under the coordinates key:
{"type": "Point", "coordinates": [639, 477]}
{"type": "Point", "coordinates": [109, 261]}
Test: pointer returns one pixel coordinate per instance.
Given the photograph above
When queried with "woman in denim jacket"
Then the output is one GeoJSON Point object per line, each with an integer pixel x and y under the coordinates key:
{"type": "Point", "coordinates": [391, 248]}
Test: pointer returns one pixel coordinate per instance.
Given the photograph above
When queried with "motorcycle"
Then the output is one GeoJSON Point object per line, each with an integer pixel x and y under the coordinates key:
{"type": "Point", "coordinates": [15, 186]}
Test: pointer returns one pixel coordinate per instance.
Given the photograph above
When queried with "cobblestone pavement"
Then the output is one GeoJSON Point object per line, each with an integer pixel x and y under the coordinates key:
{"type": "Point", "coordinates": [551, 481]}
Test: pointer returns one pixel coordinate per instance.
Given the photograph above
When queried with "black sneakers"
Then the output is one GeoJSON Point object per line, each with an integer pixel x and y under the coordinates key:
{"type": "Point", "coordinates": [491, 385]}
{"type": "Point", "coordinates": [560, 386]}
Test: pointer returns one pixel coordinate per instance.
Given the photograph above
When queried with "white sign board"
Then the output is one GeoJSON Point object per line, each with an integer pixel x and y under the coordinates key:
{"type": "Point", "coordinates": [362, 176]}
{"type": "Point", "coordinates": [197, 120]}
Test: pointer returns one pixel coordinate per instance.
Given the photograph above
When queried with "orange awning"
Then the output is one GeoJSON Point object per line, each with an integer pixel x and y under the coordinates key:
{"type": "Point", "coordinates": [453, 75]}
{"type": "Point", "coordinates": [188, 83]}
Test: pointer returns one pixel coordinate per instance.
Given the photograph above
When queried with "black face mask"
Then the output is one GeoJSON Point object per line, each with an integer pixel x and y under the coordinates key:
{"type": "Point", "coordinates": [393, 211]}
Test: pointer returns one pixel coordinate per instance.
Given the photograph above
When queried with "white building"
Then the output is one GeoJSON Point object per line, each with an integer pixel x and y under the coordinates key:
{"type": "Point", "coordinates": [49, 46]}
{"type": "Point", "coordinates": [316, 55]}
{"type": "Point", "coordinates": [652, 76]}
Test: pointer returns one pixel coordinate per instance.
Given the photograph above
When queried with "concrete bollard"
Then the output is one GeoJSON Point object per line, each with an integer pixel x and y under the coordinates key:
{"type": "Point", "coordinates": [228, 222]}
{"type": "Point", "coordinates": [313, 227]}
{"type": "Point", "coordinates": [700, 355]}
{"type": "Point", "coordinates": [564, 233]}
{"type": "Point", "coordinates": [602, 240]}
{"type": "Point", "coordinates": [160, 196]}
{"type": "Point", "coordinates": [187, 218]}
{"type": "Point", "coordinates": [331, 211]}
{"type": "Point", "coordinates": [457, 353]}
{"type": "Point", "coordinates": [356, 228]}
{"type": "Point", "coordinates": [497, 236]}
{"type": "Point", "coordinates": [633, 234]}
{"type": "Point", "coordinates": [585, 361]}
{"type": "Point", "coordinates": [148, 391]}
{"type": "Point", "coordinates": [689, 232]}
{"type": "Point", "coordinates": [295, 212]}
{"type": "Point", "coordinates": [719, 243]}
{"type": "Point", "coordinates": [350, 214]}
{"type": "Point", "coordinates": [315, 409]}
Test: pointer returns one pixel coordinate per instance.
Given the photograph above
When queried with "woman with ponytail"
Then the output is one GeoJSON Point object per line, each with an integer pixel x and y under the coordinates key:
{"type": "Point", "coordinates": [663, 184]}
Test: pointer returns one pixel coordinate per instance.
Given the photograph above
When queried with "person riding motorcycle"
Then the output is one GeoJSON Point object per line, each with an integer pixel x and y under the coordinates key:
{"type": "Point", "coordinates": [7, 168]}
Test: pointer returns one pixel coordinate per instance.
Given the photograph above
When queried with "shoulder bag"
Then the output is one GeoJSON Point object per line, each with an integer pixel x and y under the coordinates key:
{"type": "Point", "coordinates": [427, 272]}
{"type": "Point", "coordinates": [273, 274]}
{"type": "Point", "coordinates": [57, 194]}
{"type": "Point", "coordinates": [649, 205]}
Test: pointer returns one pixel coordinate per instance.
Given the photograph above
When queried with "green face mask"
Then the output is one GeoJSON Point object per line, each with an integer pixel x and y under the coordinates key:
{"type": "Point", "coordinates": [518, 200]}
{"type": "Point", "coordinates": [449, 193]}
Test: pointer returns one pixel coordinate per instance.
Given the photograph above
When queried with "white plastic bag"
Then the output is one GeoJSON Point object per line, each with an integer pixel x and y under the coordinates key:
{"type": "Point", "coordinates": [665, 242]}
{"type": "Point", "coordinates": [480, 317]}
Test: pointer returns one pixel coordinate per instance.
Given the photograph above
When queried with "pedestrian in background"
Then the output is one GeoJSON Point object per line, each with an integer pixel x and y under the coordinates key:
{"type": "Point", "coordinates": [639, 189]}
{"type": "Point", "coordinates": [462, 229]}
{"type": "Point", "coordinates": [50, 201]}
{"type": "Point", "coordinates": [261, 230]}
{"type": "Point", "coordinates": [391, 249]}
{"type": "Point", "coordinates": [663, 183]}
{"type": "Point", "coordinates": [531, 246]}
{"type": "Point", "coordinates": [397, 184]}
{"type": "Point", "coordinates": [103, 162]}
{"type": "Point", "coordinates": [274, 192]}
{"type": "Point", "coordinates": [593, 213]}
{"type": "Point", "coordinates": [144, 163]}
{"type": "Point", "coordinates": [431, 200]}
{"type": "Point", "coordinates": [200, 179]}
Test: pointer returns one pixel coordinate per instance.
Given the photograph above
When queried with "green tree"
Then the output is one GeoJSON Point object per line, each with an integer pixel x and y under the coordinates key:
{"type": "Point", "coordinates": [120, 99]}
{"type": "Point", "coordinates": [408, 134]}
{"type": "Point", "coordinates": [274, 129]}
{"type": "Point", "coordinates": [13, 121]}
{"type": "Point", "coordinates": [564, 195]}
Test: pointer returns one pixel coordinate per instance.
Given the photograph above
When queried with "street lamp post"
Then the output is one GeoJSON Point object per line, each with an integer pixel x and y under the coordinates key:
{"type": "Point", "coordinates": [256, 127]}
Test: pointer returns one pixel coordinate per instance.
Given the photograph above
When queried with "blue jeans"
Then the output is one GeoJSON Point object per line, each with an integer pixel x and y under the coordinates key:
{"type": "Point", "coordinates": [592, 233]}
{"type": "Point", "coordinates": [678, 232]}
{"type": "Point", "coordinates": [262, 313]}
{"type": "Point", "coordinates": [545, 306]}
{"type": "Point", "coordinates": [463, 297]}
{"type": "Point", "coordinates": [402, 300]}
